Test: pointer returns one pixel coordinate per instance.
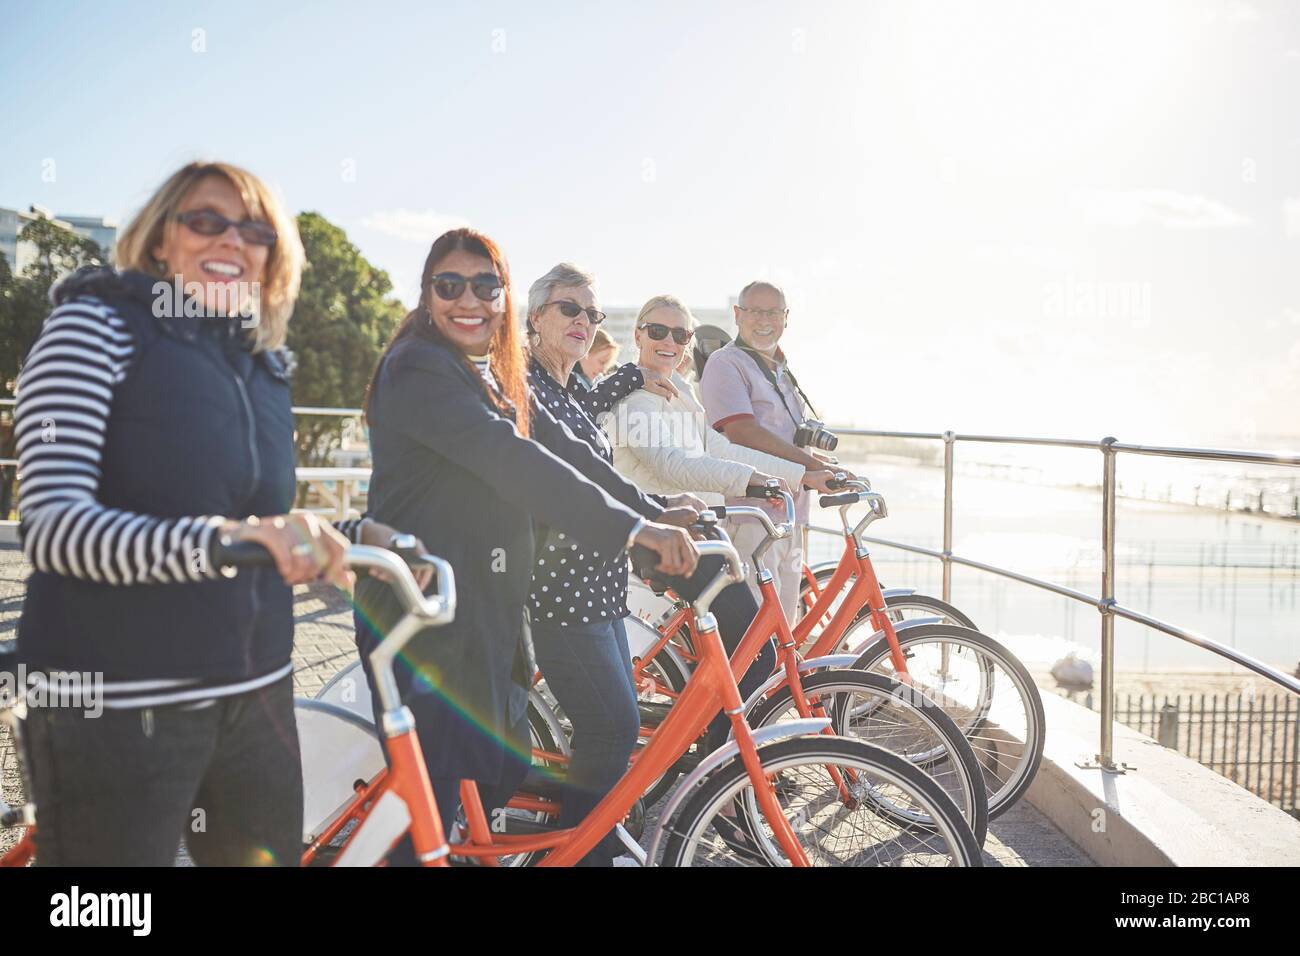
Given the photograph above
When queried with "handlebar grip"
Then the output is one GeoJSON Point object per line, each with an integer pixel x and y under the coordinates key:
{"type": "Point", "coordinates": [761, 491]}
{"type": "Point", "coordinates": [708, 527]}
{"type": "Point", "coordinates": [405, 546]}
{"type": "Point", "coordinates": [251, 554]}
{"type": "Point", "coordinates": [835, 501]}
{"type": "Point", "coordinates": [239, 554]}
{"type": "Point", "coordinates": [644, 561]}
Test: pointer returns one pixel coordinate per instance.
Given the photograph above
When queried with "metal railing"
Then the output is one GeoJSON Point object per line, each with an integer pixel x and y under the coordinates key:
{"type": "Point", "coordinates": [1105, 603]}
{"type": "Point", "coordinates": [1110, 609]}
{"type": "Point", "coordinates": [1209, 728]}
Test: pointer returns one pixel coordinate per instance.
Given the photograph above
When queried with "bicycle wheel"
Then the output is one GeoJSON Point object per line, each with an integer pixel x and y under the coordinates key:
{"type": "Point", "coordinates": [830, 831]}
{"type": "Point", "coordinates": [905, 607]}
{"type": "Point", "coordinates": [886, 713]}
{"type": "Point", "coordinates": [984, 689]}
{"type": "Point", "coordinates": [545, 735]}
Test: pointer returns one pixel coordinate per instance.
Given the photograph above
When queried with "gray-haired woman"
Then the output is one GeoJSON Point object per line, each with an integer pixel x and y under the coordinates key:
{"type": "Point", "coordinates": [579, 597]}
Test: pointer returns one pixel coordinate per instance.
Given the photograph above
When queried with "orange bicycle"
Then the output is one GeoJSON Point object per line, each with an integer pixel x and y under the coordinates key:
{"type": "Point", "coordinates": [852, 622]}
{"type": "Point", "coordinates": [787, 794]}
{"type": "Point", "coordinates": [870, 707]}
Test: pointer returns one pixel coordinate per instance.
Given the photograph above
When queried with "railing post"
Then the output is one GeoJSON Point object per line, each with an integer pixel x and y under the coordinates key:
{"type": "Point", "coordinates": [948, 439]}
{"type": "Point", "coordinates": [1107, 756]}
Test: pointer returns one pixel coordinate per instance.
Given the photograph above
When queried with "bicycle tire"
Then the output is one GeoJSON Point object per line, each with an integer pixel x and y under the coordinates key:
{"type": "Point", "coordinates": [963, 781]}
{"type": "Point", "coordinates": [730, 784]}
{"type": "Point", "coordinates": [1005, 784]}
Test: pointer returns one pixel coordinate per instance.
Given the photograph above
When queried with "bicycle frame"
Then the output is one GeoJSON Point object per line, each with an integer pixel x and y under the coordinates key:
{"type": "Point", "coordinates": [710, 688]}
{"type": "Point", "coordinates": [865, 591]}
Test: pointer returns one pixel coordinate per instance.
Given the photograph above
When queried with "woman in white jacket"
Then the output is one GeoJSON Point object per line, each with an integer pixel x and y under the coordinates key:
{"type": "Point", "coordinates": [665, 446]}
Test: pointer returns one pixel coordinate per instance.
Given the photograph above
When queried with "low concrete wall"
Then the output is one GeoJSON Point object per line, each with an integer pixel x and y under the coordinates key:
{"type": "Point", "coordinates": [1167, 811]}
{"type": "Point", "coordinates": [8, 532]}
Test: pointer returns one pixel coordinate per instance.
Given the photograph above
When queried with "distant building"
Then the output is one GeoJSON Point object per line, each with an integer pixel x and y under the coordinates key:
{"type": "Point", "coordinates": [96, 228]}
{"type": "Point", "coordinates": [20, 254]}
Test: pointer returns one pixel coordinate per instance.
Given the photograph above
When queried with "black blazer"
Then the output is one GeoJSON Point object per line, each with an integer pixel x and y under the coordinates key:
{"type": "Point", "coordinates": [452, 470]}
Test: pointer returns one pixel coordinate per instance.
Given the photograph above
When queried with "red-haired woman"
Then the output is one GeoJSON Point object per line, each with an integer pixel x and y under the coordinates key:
{"type": "Point", "coordinates": [465, 460]}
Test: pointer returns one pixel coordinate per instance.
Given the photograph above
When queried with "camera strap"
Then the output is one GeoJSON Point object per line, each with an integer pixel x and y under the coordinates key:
{"type": "Point", "coordinates": [757, 358]}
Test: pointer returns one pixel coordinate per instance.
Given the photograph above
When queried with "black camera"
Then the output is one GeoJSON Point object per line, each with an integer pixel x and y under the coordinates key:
{"type": "Point", "coordinates": [813, 434]}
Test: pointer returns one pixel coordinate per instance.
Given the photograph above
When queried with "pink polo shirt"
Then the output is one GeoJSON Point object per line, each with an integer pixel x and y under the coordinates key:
{"type": "Point", "coordinates": [733, 387]}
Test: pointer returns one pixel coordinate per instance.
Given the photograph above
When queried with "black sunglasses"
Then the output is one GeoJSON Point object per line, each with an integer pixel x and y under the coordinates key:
{"type": "Point", "coordinates": [449, 285]}
{"type": "Point", "coordinates": [658, 332]}
{"type": "Point", "coordinates": [571, 310]}
{"type": "Point", "coordinates": [207, 222]}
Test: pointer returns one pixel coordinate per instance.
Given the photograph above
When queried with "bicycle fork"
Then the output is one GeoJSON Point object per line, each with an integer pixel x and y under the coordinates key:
{"type": "Point", "coordinates": [763, 789]}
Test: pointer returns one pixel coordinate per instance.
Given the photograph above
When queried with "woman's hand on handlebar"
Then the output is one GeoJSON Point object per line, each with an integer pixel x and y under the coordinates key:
{"type": "Point", "coordinates": [679, 517]}
{"type": "Point", "coordinates": [304, 547]}
{"type": "Point", "coordinates": [818, 480]}
{"type": "Point", "coordinates": [685, 500]}
{"type": "Point", "coordinates": [676, 550]}
{"type": "Point", "coordinates": [381, 536]}
{"type": "Point", "coordinates": [758, 479]}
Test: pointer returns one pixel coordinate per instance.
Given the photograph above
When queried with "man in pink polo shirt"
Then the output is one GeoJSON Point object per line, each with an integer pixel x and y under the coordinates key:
{"type": "Point", "coordinates": [763, 410]}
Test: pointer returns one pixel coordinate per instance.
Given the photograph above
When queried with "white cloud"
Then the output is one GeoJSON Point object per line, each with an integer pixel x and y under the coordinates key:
{"type": "Point", "coordinates": [412, 225]}
{"type": "Point", "coordinates": [1158, 207]}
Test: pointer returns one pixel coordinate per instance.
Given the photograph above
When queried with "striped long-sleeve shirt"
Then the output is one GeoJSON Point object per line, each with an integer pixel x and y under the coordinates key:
{"type": "Point", "coordinates": [65, 392]}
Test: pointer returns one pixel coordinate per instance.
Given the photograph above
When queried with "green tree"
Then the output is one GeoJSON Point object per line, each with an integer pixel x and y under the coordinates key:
{"type": "Point", "coordinates": [343, 318]}
{"type": "Point", "coordinates": [24, 299]}
{"type": "Point", "coordinates": [24, 304]}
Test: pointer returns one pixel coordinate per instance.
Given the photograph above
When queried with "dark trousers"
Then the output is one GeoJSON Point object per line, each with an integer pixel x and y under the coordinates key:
{"type": "Point", "coordinates": [122, 789]}
{"type": "Point", "coordinates": [589, 670]}
{"type": "Point", "coordinates": [735, 609]}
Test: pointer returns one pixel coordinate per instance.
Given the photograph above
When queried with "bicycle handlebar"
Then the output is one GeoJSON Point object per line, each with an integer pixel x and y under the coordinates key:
{"type": "Point", "coordinates": [707, 525]}
{"type": "Point", "coordinates": [420, 611]}
{"type": "Point", "coordinates": [644, 561]}
{"type": "Point", "coordinates": [846, 500]}
{"type": "Point", "coordinates": [775, 532]}
{"type": "Point", "coordinates": [836, 501]}
{"type": "Point", "coordinates": [437, 608]}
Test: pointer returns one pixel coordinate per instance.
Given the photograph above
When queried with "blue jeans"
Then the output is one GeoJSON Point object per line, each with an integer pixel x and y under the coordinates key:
{"type": "Point", "coordinates": [589, 670]}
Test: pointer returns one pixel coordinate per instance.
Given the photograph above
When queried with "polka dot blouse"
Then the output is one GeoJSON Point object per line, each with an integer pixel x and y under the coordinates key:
{"type": "Point", "coordinates": [571, 585]}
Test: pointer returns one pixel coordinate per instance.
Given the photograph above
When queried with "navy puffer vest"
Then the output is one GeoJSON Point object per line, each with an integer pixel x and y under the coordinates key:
{"type": "Point", "coordinates": [199, 426]}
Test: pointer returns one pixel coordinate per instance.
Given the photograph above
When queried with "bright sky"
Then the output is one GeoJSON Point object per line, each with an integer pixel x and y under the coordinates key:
{"type": "Point", "coordinates": [1064, 218]}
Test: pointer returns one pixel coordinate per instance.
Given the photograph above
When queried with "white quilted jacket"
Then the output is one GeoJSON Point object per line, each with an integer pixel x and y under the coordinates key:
{"type": "Point", "coordinates": [668, 448]}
